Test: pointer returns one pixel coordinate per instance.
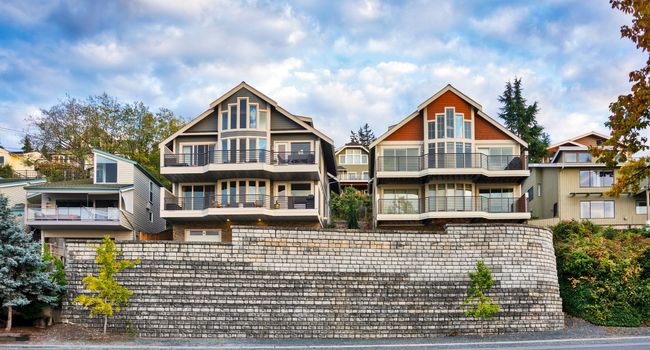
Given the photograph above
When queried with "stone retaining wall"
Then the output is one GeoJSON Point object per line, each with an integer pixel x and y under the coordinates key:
{"type": "Point", "coordinates": [279, 283]}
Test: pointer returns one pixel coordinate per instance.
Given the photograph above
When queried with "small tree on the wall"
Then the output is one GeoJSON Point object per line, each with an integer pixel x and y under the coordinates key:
{"type": "Point", "coordinates": [107, 295]}
{"type": "Point", "coordinates": [480, 305]}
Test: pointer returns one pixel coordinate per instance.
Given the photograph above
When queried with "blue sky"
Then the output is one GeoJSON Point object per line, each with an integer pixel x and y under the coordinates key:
{"type": "Point", "coordinates": [344, 63]}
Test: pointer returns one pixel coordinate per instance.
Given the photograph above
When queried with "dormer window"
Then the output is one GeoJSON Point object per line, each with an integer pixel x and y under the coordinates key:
{"type": "Point", "coordinates": [106, 170]}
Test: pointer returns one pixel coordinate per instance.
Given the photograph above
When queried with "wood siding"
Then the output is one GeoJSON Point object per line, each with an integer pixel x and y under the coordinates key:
{"type": "Point", "coordinates": [411, 131]}
{"type": "Point", "coordinates": [449, 99]}
{"type": "Point", "coordinates": [483, 130]}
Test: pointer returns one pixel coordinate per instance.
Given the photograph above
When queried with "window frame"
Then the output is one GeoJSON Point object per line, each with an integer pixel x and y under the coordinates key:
{"type": "Point", "coordinates": [637, 207]}
{"type": "Point", "coordinates": [591, 213]}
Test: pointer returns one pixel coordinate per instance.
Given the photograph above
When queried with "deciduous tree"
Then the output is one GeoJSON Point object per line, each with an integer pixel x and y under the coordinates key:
{"type": "Point", "coordinates": [631, 112]}
{"type": "Point", "coordinates": [107, 295]}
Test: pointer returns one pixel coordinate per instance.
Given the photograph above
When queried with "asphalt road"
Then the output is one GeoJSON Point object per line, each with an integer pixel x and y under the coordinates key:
{"type": "Point", "coordinates": [613, 343]}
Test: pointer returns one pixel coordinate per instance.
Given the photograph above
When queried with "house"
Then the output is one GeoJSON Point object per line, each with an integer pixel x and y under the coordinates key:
{"type": "Point", "coordinates": [14, 191]}
{"type": "Point", "coordinates": [120, 200]}
{"type": "Point", "coordinates": [246, 160]}
{"type": "Point", "coordinates": [447, 162]}
{"type": "Point", "coordinates": [352, 166]}
{"type": "Point", "coordinates": [22, 163]}
{"type": "Point", "coordinates": [572, 185]}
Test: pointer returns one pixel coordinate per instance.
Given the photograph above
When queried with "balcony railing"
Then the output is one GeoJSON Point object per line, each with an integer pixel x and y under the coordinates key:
{"type": "Point", "coordinates": [451, 204]}
{"type": "Point", "coordinates": [451, 161]}
{"type": "Point", "coordinates": [240, 201]}
{"type": "Point", "coordinates": [344, 177]}
{"type": "Point", "coordinates": [260, 156]}
{"type": "Point", "coordinates": [35, 213]}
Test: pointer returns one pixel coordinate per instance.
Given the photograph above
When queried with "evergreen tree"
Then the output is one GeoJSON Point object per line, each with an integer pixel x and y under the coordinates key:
{"type": "Point", "coordinates": [107, 295]}
{"type": "Point", "coordinates": [363, 136]}
{"type": "Point", "coordinates": [27, 144]}
{"type": "Point", "coordinates": [521, 119]}
{"type": "Point", "coordinates": [23, 272]}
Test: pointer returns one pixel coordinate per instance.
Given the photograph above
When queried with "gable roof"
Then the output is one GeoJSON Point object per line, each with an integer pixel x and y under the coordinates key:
{"type": "Point", "coordinates": [351, 145]}
{"type": "Point", "coordinates": [129, 161]}
{"type": "Point", "coordinates": [428, 101]}
{"type": "Point", "coordinates": [572, 140]}
{"type": "Point", "coordinates": [302, 121]}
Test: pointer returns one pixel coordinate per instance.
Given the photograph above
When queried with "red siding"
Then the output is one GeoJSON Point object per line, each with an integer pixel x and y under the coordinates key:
{"type": "Point", "coordinates": [411, 131]}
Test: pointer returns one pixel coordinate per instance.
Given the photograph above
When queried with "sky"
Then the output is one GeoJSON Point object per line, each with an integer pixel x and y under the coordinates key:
{"type": "Point", "coordinates": [344, 63]}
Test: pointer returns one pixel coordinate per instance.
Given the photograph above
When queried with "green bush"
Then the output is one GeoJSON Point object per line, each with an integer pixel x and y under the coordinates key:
{"type": "Point", "coordinates": [479, 304]}
{"type": "Point", "coordinates": [603, 273]}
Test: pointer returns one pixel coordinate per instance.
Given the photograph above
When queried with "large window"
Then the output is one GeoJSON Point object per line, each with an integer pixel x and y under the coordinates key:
{"type": "Point", "coordinates": [577, 157]}
{"type": "Point", "coordinates": [106, 170]}
{"type": "Point", "coordinates": [595, 178]}
{"type": "Point", "coordinates": [401, 159]}
{"type": "Point", "coordinates": [243, 150]}
{"type": "Point", "coordinates": [400, 201]}
{"type": "Point", "coordinates": [497, 200]}
{"type": "Point", "coordinates": [450, 197]}
{"type": "Point", "coordinates": [353, 156]}
{"type": "Point", "coordinates": [597, 210]}
{"type": "Point", "coordinates": [498, 158]}
{"type": "Point", "coordinates": [449, 125]}
{"type": "Point", "coordinates": [197, 197]}
{"type": "Point", "coordinates": [641, 207]}
{"type": "Point", "coordinates": [241, 194]}
{"type": "Point", "coordinates": [198, 154]}
{"type": "Point", "coordinates": [244, 115]}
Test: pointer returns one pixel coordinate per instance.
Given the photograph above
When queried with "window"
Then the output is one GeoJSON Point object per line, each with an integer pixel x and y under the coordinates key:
{"type": "Point", "coordinates": [432, 130]}
{"type": "Point", "coordinates": [584, 157]}
{"type": "Point", "coordinates": [641, 207]}
{"type": "Point", "coordinates": [597, 210]}
{"type": "Point", "coordinates": [570, 157]}
{"type": "Point", "coordinates": [150, 216]}
{"type": "Point", "coordinates": [555, 209]}
{"type": "Point", "coordinates": [301, 190]}
{"type": "Point", "coordinates": [498, 158]}
{"type": "Point", "coordinates": [106, 170]}
{"type": "Point", "coordinates": [400, 201]}
{"type": "Point", "coordinates": [539, 190]}
{"type": "Point", "coordinates": [450, 197]}
{"type": "Point", "coordinates": [197, 197]}
{"type": "Point", "coordinates": [458, 132]}
{"type": "Point", "coordinates": [2, 160]}
{"type": "Point", "coordinates": [497, 200]}
{"type": "Point", "coordinates": [531, 194]}
{"type": "Point", "coordinates": [262, 121]}
{"type": "Point", "coordinates": [352, 175]}
{"type": "Point", "coordinates": [353, 156]}
{"type": "Point", "coordinates": [450, 122]}
{"type": "Point", "coordinates": [440, 125]}
{"type": "Point", "coordinates": [150, 192]}
{"type": "Point", "coordinates": [224, 120]}
{"type": "Point", "coordinates": [364, 175]}
{"type": "Point", "coordinates": [594, 178]}
{"type": "Point", "coordinates": [401, 159]}
{"type": "Point", "coordinates": [468, 129]}
{"type": "Point", "coordinates": [211, 235]}
{"type": "Point", "coordinates": [342, 159]}
{"type": "Point", "coordinates": [243, 104]}
{"type": "Point", "coordinates": [233, 116]}
{"type": "Point", "coordinates": [252, 122]}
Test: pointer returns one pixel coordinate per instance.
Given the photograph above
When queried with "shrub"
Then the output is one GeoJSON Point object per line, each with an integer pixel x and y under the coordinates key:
{"type": "Point", "coordinates": [480, 305]}
{"type": "Point", "coordinates": [603, 273]}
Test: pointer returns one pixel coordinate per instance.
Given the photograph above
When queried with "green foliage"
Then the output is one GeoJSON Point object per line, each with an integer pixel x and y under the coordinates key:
{"type": "Point", "coordinates": [107, 295]}
{"type": "Point", "coordinates": [27, 144]}
{"type": "Point", "coordinates": [73, 127]}
{"type": "Point", "coordinates": [480, 305]}
{"type": "Point", "coordinates": [6, 171]}
{"type": "Point", "coordinates": [364, 136]}
{"type": "Point", "coordinates": [347, 204]}
{"type": "Point", "coordinates": [603, 273]}
{"type": "Point", "coordinates": [24, 278]}
{"type": "Point", "coordinates": [521, 119]}
{"type": "Point", "coordinates": [53, 266]}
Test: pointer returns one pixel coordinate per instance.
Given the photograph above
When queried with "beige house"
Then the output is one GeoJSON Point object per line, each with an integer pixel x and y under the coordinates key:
{"type": "Point", "coordinates": [352, 166]}
{"type": "Point", "coordinates": [120, 200]}
{"type": "Point", "coordinates": [22, 163]}
{"type": "Point", "coordinates": [246, 161]}
{"type": "Point", "coordinates": [448, 162]}
{"type": "Point", "coordinates": [571, 185]}
{"type": "Point", "coordinates": [14, 191]}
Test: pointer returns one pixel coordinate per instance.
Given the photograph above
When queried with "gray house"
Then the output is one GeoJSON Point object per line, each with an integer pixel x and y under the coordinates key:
{"type": "Point", "coordinates": [246, 160]}
{"type": "Point", "coordinates": [120, 200]}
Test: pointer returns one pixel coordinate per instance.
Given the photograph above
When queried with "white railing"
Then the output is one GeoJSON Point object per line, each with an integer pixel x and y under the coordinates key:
{"type": "Point", "coordinates": [72, 214]}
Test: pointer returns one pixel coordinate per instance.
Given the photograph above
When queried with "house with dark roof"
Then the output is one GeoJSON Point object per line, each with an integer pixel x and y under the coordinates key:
{"type": "Point", "coordinates": [246, 160]}
{"type": "Point", "coordinates": [447, 162]}
{"type": "Point", "coordinates": [120, 200]}
{"type": "Point", "coordinates": [352, 166]}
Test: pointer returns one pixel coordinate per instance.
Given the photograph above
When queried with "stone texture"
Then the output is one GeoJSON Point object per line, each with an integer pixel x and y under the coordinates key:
{"type": "Point", "coordinates": [302, 283]}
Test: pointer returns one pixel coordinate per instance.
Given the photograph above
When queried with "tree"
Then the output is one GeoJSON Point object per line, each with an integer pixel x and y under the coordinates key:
{"type": "Point", "coordinates": [6, 171]}
{"type": "Point", "coordinates": [107, 295]}
{"type": "Point", "coordinates": [27, 144]}
{"type": "Point", "coordinates": [23, 272]}
{"type": "Point", "coordinates": [364, 136]}
{"type": "Point", "coordinates": [480, 305]}
{"type": "Point", "coordinates": [521, 119]}
{"type": "Point", "coordinates": [74, 127]}
{"type": "Point", "coordinates": [630, 113]}
{"type": "Point", "coordinates": [347, 205]}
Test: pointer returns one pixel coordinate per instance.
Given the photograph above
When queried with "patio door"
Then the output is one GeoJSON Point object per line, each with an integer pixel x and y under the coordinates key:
{"type": "Point", "coordinates": [281, 154]}
{"type": "Point", "coordinates": [280, 199]}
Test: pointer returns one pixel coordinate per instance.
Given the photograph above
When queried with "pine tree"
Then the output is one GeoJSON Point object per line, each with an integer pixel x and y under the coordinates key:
{"type": "Point", "coordinates": [107, 295]}
{"type": "Point", "coordinates": [23, 275]}
{"type": "Point", "coordinates": [27, 144]}
{"type": "Point", "coordinates": [521, 119]}
{"type": "Point", "coordinates": [364, 136]}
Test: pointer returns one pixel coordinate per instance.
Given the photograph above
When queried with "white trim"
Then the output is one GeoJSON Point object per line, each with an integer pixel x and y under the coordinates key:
{"type": "Point", "coordinates": [449, 87]}
{"type": "Point", "coordinates": [502, 128]}
{"type": "Point", "coordinates": [572, 140]}
{"type": "Point", "coordinates": [350, 146]}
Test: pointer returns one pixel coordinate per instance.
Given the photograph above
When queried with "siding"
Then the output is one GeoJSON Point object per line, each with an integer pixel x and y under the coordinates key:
{"type": "Point", "coordinates": [280, 122]}
{"type": "Point", "coordinates": [570, 206]}
{"type": "Point", "coordinates": [207, 124]}
{"type": "Point", "coordinates": [141, 199]}
{"type": "Point", "coordinates": [449, 99]}
{"type": "Point", "coordinates": [542, 206]}
{"type": "Point", "coordinates": [411, 131]}
{"type": "Point", "coordinates": [484, 130]}
{"type": "Point", "coordinates": [244, 92]}
{"type": "Point", "coordinates": [15, 194]}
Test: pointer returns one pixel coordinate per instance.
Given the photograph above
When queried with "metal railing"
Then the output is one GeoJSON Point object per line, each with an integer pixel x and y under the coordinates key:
{"type": "Point", "coordinates": [36, 213]}
{"type": "Point", "coordinates": [344, 177]}
{"type": "Point", "coordinates": [451, 161]}
{"type": "Point", "coordinates": [239, 201]}
{"type": "Point", "coordinates": [453, 203]}
{"type": "Point", "coordinates": [26, 174]}
{"type": "Point", "coordinates": [261, 156]}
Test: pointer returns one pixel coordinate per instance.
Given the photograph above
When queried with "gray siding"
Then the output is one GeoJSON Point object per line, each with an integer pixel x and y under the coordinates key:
{"type": "Point", "coordinates": [280, 122]}
{"type": "Point", "coordinates": [542, 206]}
{"type": "Point", "coordinates": [243, 93]}
{"type": "Point", "coordinates": [236, 133]}
{"type": "Point", "coordinates": [140, 201]}
{"type": "Point", "coordinates": [207, 124]}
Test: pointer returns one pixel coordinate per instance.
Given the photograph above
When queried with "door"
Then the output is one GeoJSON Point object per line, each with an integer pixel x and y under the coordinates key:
{"type": "Point", "coordinates": [281, 154]}
{"type": "Point", "coordinates": [280, 200]}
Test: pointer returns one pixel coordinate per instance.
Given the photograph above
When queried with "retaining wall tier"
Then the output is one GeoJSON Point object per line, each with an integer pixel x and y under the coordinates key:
{"type": "Point", "coordinates": [302, 283]}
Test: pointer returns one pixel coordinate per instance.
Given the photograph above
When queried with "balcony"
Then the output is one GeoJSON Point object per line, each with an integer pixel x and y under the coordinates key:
{"type": "Point", "coordinates": [240, 206]}
{"type": "Point", "coordinates": [218, 164]}
{"type": "Point", "coordinates": [453, 207]}
{"type": "Point", "coordinates": [353, 178]}
{"type": "Point", "coordinates": [459, 163]}
{"type": "Point", "coordinates": [72, 216]}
